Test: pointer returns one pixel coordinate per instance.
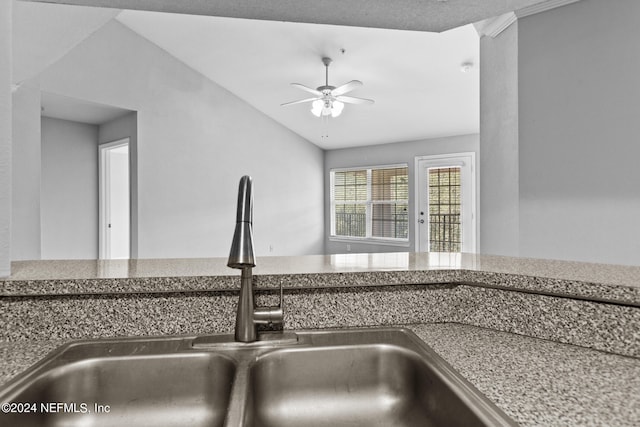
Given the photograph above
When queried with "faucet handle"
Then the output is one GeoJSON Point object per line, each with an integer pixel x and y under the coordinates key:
{"type": "Point", "coordinates": [270, 315]}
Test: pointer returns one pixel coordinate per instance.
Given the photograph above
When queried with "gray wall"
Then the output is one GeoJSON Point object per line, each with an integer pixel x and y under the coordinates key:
{"type": "Point", "coordinates": [559, 126]}
{"type": "Point", "coordinates": [42, 221]}
{"type": "Point", "coordinates": [195, 140]}
{"type": "Point", "coordinates": [577, 97]}
{"type": "Point", "coordinates": [69, 193]}
{"type": "Point", "coordinates": [373, 155]}
{"type": "Point", "coordinates": [579, 122]}
{"type": "Point", "coordinates": [499, 181]}
{"type": "Point", "coordinates": [5, 138]}
{"type": "Point", "coordinates": [25, 221]}
{"type": "Point", "coordinates": [120, 128]}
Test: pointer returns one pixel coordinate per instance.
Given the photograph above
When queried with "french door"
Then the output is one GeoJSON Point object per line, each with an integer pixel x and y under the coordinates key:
{"type": "Point", "coordinates": [445, 208]}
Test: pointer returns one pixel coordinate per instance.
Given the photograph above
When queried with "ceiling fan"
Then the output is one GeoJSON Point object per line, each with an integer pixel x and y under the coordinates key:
{"type": "Point", "coordinates": [329, 100]}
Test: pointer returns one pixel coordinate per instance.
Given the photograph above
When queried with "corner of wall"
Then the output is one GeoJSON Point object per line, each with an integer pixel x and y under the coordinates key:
{"type": "Point", "coordinates": [5, 136]}
{"type": "Point", "coordinates": [499, 139]}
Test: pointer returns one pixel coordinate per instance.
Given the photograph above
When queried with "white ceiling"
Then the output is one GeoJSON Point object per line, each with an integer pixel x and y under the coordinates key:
{"type": "Point", "coordinates": [414, 77]}
{"type": "Point", "coordinates": [78, 110]}
{"type": "Point", "coordinates": [43, 33]}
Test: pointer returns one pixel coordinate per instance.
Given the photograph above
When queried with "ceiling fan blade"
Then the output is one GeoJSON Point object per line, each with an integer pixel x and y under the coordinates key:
{"type": "Point", "coordinates": [354, 100]}
{"type": "Point", "coordinates": [347, 87]}
{"type": "Point", "coordinates": [298, 102]}
{"type": "Point", "coordinates": [307, 88]}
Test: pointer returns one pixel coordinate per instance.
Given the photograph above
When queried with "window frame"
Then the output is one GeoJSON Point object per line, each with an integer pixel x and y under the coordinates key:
{"type": "Point", "coordinates": [391, 241]}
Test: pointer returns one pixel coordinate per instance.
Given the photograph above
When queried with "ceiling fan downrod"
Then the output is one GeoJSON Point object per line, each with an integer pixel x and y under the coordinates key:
{"type": "Point", "coordinates": [326, 61]}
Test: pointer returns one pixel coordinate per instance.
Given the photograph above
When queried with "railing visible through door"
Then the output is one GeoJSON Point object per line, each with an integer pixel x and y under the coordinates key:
{"type": "Point", "coordinates": [445, 227]}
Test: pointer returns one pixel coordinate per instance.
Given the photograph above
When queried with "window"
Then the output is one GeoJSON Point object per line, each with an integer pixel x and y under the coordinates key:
{"type": "Point", "coordinates": [444, 210]}
{"type": "Point", "coordinates": [370, 203]}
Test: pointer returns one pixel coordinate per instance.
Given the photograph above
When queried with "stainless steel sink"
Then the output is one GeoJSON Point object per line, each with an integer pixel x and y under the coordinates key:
{"type": "Point", "coordinates": [365, 377]}
{"type": "Point", "coordinates": [123, 384]}
{"type": "Point", "coordinates": [376, 385]}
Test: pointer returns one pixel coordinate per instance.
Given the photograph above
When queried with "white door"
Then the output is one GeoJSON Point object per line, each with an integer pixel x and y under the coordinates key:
{"type": "Point", "coordinates": [445, 208]}
{"type": "Point", "coordinates": [114, 200]}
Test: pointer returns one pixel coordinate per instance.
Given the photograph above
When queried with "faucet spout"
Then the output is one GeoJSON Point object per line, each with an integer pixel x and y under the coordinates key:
{"type": "Point", "coordinates": [242, 254]}
{"type": "Point", "coordinates": [246, 330]}
{"type": "Point", "coordinates": [242, 257]}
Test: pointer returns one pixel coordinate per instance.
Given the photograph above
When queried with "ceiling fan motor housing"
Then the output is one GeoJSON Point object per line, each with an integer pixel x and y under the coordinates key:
{"type": "Point", "coordinates": [326, 90]}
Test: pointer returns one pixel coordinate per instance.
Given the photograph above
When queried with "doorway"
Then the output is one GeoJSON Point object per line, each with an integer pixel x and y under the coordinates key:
{"type": "Point", "coordinates": [446, 203]}
{"type": "Point", "coordinates": [114, 200]}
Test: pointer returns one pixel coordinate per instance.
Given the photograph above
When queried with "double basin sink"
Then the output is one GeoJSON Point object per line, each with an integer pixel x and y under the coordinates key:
{"type": "Point", "coordinates": [359, 377]}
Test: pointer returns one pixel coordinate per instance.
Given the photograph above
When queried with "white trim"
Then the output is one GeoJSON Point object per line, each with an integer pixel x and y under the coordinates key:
{"type": "Point", "coordinates": [371, 240]}
{"type": "Point", "coordinates": [440, 160]}
{"type": "Point", "coordinates": [332, 204]}
{"type": "Point", "coordinates": [362, 168]}
{"type": "Point", "coordinates": [369, 206]}
{"type": "Point", "coordinates": [492, 27]}
{"type": "Point", "coordinates": [103, 191]}
{"type": "Point", "coordinates": [542, 7]}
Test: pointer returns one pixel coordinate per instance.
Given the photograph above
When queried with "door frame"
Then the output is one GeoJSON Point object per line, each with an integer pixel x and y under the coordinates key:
{"type": "Point", "coordinates": [104, 180]}
{"type": "Point", "coordinates": [444, 160]}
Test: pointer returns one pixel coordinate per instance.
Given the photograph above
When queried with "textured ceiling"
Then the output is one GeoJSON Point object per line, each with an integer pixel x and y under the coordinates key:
{"type": "Point", "coordinates": [420, 15]}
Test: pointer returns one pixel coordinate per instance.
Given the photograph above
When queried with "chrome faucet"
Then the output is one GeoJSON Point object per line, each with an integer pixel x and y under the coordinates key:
{"type": "Point", "coordinates": [242, 256]}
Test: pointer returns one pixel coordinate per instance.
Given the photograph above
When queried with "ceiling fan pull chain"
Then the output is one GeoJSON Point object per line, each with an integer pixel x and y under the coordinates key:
{"type": "Point", "coordinates": [324, 120]}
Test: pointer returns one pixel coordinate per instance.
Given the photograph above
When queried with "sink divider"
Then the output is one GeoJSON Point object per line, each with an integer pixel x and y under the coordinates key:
{"type": "Point", "coordinates": [238, 401]}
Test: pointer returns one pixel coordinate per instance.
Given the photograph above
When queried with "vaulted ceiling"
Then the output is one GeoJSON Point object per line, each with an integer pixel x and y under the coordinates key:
{"type": "Point", "coordinates": [415, 77]}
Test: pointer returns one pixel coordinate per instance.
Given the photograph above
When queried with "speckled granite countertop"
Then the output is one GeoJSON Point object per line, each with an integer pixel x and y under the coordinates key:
{"type": "Point", "coordinates": [536, 382]}
{"type": "Point", "coordinates": [596, 282]}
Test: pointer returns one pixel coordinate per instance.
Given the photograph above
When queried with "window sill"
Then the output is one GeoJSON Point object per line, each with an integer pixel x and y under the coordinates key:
{"type": "Point", "coordinates": [370, 241]}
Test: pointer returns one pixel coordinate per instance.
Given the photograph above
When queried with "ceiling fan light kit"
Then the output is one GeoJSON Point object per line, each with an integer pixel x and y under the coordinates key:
{"type": "Point", "coordinates": [329, 100]}
{"type": "Point", "coordinates": [321, 108]}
